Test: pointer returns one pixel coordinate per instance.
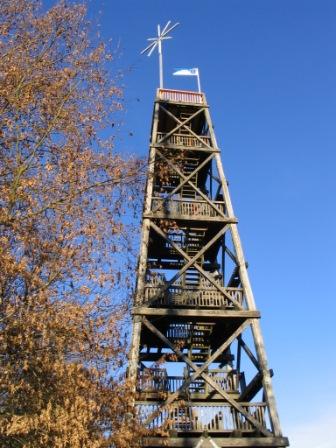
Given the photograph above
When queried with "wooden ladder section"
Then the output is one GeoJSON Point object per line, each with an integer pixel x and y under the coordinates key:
{"type": "Point", "coordinates": [197, 357]}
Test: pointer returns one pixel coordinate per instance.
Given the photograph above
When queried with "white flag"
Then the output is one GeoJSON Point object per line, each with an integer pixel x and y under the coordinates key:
{"type": "Point", "coordinates": [187, 72]}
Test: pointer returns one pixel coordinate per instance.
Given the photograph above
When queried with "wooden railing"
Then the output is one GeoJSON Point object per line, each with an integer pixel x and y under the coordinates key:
{"type": "Point", "coordinates": [192, 297]}
{"type": "Point", "coordinates": [183, 140]}
{"type": "Point", "coordinates": [181, 96]}
{"type": "Point", "coordinates": [154, 383]}
{"type": "Point", "coordinates": [185, 208]}
{"type": "Point", "coordinates": [199, 418]}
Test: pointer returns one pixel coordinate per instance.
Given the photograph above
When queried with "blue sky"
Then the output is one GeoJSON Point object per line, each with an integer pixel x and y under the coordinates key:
{"type": "Point", "coordinates": [268, 69]}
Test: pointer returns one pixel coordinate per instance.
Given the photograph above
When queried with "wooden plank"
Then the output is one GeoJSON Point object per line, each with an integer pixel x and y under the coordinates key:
{"type": "Point", "coordinates": [200, 404]}
{"type": "Point", "coordinates": [215, 398]}
{"type": "Point", "coordinates": [136, 331]}
{"type": "Point", "coordinates": [167, 95]}
{"type": "Point", "coordinates": [178, 216]}
{"type": "Point", "coordinates": [186, 148]}
{"type": "Point", "coordinates": [222, 442]}
{"type": "Point", "coordinates": [238, 357]}
{"type": "Point", "coordinates": [230, 314]}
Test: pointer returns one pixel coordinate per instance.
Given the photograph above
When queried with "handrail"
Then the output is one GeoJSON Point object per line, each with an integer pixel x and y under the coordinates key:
{"type": "Point", "coordinates": [208, 417]}
{"type": "Point", "coordinates": [192, 207]}
{"type": "Point", "coordinates": [154, 383]}
{"type": "Point", "coordinates": [202, 297]}
{"type": "Point", "coordinates": [184, 140]}
{"type": "Point", "coordinates": [181, 96]}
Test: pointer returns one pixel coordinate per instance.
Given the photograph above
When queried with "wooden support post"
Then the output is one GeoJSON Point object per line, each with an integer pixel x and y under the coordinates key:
{"type": "Point", "coordinates": [142, 264]}
{"type": "Point", "coordinates": [133, 358]}
{"type": "Point", "coordinates": [256, 331]}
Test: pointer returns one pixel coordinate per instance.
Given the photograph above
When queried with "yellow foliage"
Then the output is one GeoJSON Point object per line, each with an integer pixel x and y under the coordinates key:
{"type": "Point", "coordinates": [63, 193]}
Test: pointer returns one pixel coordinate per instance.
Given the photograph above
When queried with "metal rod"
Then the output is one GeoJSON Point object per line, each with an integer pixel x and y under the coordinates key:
{"type": "Point", "coordinates": [198, 81]}
{"type": "Point", "coordinates": [160, 57]}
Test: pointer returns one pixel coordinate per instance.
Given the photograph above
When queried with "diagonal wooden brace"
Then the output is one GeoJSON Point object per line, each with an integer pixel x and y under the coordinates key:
{"type": "Point", "coordinates": [198, 370]}
{"type": "Point", "coordinates": [236, 405]}
{"type": "Point", "coordinates": [206, 438]}
{"type": "Point", "coordinates": [231, 255]}
{"type": "Point", "coordinates": [186, 178]}
{"type": "Point", "coordinates": [188, 264]}
{"type": "Point", "coordinates": [208, 379]}
{"type": "Point", "coordinates": [249, 353]}
{"type": "Point", "coordinates": [199, 268]}
{"type": "Point", "coordinates": [183, 124]}
{"type": "Point", "coordinates": [204, 196]}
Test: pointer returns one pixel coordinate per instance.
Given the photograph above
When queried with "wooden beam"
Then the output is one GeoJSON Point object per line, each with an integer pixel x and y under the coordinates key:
{"type": "Point", "coordinates": [222, 442]}
{"type": "Point", "coordinates": [187, 312]}
{"type": "Point", "coordinates": [179, 216]}
{"type": "Point", "coordinates": [142, 267]}
{"type": "Point", "coordinates": [133, 358]}
{"type": "Point", "coordinates": [252, 388]}
{"type": "Point", "coordinates": [185, 148]}
{"type": "Point", "coordinates": [249, 353]}
{"type": "Point", "coordinates": [231, 255]}
{"type": "Point", "coordinates": [238, 355]}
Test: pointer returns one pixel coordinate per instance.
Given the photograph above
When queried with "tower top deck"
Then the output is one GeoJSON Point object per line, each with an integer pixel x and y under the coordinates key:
{"type": "Point", "coordinates": [181, 96]}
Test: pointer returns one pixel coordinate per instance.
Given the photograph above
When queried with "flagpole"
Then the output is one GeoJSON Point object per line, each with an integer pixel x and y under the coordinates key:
{"type": "Point", "coordinates": [160, 57]}
{"type": "Point", "coordinates": [198, 81]}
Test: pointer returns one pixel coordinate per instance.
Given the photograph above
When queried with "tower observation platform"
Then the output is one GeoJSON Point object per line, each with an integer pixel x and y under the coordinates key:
{"type": "Point", "coordinates": [197, 355]}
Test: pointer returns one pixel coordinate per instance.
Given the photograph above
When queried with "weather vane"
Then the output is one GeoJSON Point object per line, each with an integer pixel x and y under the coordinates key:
{"type": "Point", "coordinates": [157, 42]}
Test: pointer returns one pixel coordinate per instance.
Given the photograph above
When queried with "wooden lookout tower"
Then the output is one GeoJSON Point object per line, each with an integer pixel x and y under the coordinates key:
{"type": "Point", "coordinates": [197, 354]}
